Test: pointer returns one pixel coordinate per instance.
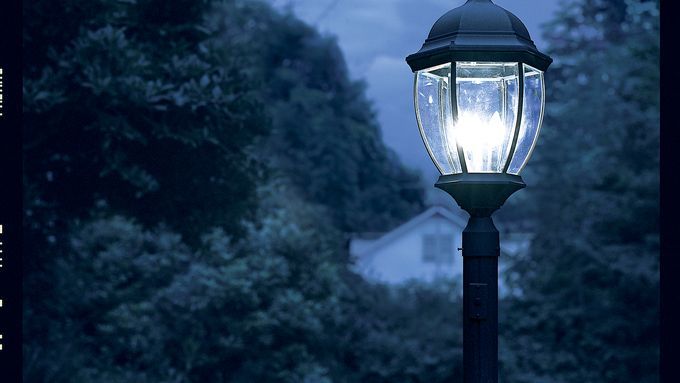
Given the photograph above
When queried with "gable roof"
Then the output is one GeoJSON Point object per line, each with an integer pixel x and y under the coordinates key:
{"type": "Point", "coordinates": [404, 228]}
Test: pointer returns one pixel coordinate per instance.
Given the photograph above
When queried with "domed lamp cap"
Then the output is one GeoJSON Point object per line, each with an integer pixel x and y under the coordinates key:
{"type": "Point", "coordinates": [479, 30]}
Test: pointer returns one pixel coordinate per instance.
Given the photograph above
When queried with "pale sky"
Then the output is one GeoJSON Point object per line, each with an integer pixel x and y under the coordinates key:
{"type": "Point", "coordinates": [377, 35]}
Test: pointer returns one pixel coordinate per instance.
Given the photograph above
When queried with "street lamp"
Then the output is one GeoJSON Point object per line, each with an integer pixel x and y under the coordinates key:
{"type": "Point", "coordinates": [479, 100]}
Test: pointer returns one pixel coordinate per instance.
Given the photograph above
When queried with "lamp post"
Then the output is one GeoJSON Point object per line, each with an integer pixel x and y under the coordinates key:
{"type": "Point", "coordinates": [479, 100]}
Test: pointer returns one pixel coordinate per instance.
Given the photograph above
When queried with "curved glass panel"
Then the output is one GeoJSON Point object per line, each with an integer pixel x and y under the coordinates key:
{"type": "Point", "coordinates": [532, 118]}
{"type": "Point", "coordinates": [433, 112]}
{"type": "Point", "coordinates": [487, 97]}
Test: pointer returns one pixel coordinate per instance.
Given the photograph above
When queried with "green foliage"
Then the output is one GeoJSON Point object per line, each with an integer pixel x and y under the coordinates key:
{"type": "Point", "coordinates": [148, 122]}
{"type": "Point", "coordinates": [411, 333]}
{"type": "Point", "coordinates": [589, 312]}
{"type": "Point", "coordinates": [139, 305]}
{"type": "Point", "coordinates": [247, 311]}
{"type": "Point", "coordinates": [108, 262]}
{"type": "Point", "coordinates": [151, 254]}
{"type": "Point", "coordinates": [324, 136]}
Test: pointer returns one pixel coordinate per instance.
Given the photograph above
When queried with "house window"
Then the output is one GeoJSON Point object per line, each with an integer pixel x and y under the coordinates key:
{"type": "Point", "coordinates": [437, 248]}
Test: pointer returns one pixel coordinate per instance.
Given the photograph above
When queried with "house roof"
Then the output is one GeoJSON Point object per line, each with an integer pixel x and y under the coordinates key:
{"type": "Point", "coordinates": [402, 229]}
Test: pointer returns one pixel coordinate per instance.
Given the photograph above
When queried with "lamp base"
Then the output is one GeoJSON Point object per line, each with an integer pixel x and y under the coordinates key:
{"type": "Point", "coordinates": [480, 194]}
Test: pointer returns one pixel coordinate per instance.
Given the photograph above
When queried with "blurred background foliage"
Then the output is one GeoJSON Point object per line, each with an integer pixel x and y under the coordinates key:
{"type": "Point", "coordinates": [192, 170]}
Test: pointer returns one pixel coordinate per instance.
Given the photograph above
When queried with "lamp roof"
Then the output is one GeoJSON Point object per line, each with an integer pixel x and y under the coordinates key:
{"type": "Point", "coordinates": [479, 30]}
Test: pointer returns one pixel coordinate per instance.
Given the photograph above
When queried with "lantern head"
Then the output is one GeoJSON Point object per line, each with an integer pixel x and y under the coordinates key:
{"type": "Point", "coordinates": [479, 94]}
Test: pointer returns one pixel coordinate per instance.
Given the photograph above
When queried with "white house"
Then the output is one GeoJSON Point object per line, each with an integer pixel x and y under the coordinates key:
{"type": "Point", "coordinates": [424, 248]}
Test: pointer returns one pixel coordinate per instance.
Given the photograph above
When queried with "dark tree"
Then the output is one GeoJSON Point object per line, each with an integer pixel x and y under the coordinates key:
{"type": "Point", "coordinates": [589, 309]}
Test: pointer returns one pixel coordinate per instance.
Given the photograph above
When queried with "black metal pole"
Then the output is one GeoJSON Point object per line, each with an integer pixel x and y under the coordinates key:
{"type": "Point", "coordinates": [480, 194]}
{"type": "Point", "coordinates": [481, 249]}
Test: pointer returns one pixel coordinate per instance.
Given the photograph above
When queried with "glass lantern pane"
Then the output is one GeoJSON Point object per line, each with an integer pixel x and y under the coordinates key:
{"type": "Point", "coordinates": [532, 118]}
{"type": "Point", "coordinates": [487, 98]}
{"type": "Point", "coordinates": [433, 112]}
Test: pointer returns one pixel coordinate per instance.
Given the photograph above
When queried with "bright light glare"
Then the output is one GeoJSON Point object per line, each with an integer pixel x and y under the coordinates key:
{"type": "Point", "coordinates": [482, 138]}
{"type": "Point", "coordinates": [486, 98]}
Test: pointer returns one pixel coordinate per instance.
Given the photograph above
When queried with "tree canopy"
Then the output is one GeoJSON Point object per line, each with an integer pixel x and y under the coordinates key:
{"type": "Point", "coordinates": [589, 312]}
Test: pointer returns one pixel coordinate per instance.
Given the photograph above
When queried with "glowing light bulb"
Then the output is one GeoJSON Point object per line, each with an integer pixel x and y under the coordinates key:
{"type": "Point", "coordinates": [478, 135]}
{"type": "Point", "coordinates": [481, 139]}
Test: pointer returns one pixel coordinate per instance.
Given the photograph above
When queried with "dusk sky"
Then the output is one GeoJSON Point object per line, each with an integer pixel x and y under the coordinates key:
{"type": "Point", "coordinates": [377, 35]}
